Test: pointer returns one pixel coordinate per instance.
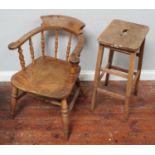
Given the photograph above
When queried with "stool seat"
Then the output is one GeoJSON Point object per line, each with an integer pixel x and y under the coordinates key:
{"type": "Point", "coordinates": [123, 35]}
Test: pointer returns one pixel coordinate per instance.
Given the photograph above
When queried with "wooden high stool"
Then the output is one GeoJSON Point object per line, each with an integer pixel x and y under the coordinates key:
{"type": "Point", "coordinates": [127, 38]}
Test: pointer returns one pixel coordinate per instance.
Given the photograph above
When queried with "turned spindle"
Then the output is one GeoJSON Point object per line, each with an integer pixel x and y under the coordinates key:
{"type": "Point", "coordinates": [21, 58]}
{"type": "Point", "coordinates": [56, 44]}
{"type": "Point", "coordinates": [42, 44]}
{"type": "Point", "coordinates": [31, 50]}
{"type": "Point", "coordinates": [68, 46]}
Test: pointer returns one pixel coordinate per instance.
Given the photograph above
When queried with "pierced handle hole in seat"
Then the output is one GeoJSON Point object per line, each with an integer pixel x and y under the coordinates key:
{"type": "Point", "coordinates": [124, 32]}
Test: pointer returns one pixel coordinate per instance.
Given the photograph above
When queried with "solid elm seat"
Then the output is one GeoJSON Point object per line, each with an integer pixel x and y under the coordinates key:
{"type": "Point", "coordinates": [127, 38]}
{"type": "Point", "coordinates": [48, 77]}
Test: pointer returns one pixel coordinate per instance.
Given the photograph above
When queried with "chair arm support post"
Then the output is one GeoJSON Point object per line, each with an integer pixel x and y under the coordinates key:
{"type": "Point", "coordinates": [74, 57]}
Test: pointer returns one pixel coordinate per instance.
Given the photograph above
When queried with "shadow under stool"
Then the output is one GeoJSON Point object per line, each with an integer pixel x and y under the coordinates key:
{"type": "Point", "coordinates": [127, 38]}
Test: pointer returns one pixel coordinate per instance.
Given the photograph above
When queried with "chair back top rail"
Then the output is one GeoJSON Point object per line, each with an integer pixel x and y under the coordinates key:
{"type": "Point", "coordinates": [63, 22]}
{"type": "Point", "coordinates": [70, 25]}
{"type": "Point", "coordinates": [53, 22]}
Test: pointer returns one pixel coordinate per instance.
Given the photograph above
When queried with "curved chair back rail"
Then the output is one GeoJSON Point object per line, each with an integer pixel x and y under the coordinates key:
{"type": "Point", "coordinates": [63, 22]}
{"type": "Point", "coordinates": [72, 26]}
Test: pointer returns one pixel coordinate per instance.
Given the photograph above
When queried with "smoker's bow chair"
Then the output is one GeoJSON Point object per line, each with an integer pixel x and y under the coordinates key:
{"type": "Point", "coordinates": [49, 76]}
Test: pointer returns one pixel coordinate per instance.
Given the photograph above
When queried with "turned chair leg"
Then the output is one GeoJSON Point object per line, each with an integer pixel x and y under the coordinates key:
{"type": "Point", "coordinates": [111, 54]}
{"type": "Point", "coordinates": [65, 117]}
{"type": "Point", "coordinates": [97, 75]}
{"type": "Point", "coordinates": [140, 60]}
{"type": "Point", "coordinates": [13, 100]}
{"type": "Point", "coordinates": [129, 85]}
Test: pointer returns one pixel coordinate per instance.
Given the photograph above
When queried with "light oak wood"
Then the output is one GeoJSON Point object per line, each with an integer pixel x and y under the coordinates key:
{"type": "Point", "coordinates": [46, 76]}
{"type": "Point", "coordinates": [111, 55]}
{"type": "Point", "coordinates": [68, 47]}
{"type": "Point", "coordinates": [102, 72]}
{"type": "Point", "coordinates": [97, 75]}
{"type": "Point", "coordinates": [112, 94]}
{"type": "Point", "coordinates": [122, 33]}
{"type": "Point", "coordinates": [50, 78]}
{"type": "Point", "coordinates": [114, 72]}
{"type": "Point", "coordinates": [65, 117]}
{"type": "Point", "coordinates": [129, 84]}
{"type": "Point", "coordinates": [14, 95]}
{"type": "Point", "coordinates": [42, 44]}
{"type": "Point", "coordinates": [71, 105]}
{"type": "Point", "coordinates": [66, 23]}
{"type": "Point", "coordinates": [122, 69]}
{"type": "Point", "coordinates": [21, 58]}
{"type": "Point", "coordinates": [139, 68]}
{"type": "Point", "coordinates": [31, 50]}
{"type": "Point", "coordinates": [127, 38]}
{"type": "Point", "coordinates": [56, 44]}
{"type": "Point", "coordinates": [136, 78]}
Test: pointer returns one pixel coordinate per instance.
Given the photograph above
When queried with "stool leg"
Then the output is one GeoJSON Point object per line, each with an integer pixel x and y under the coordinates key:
{"type": "Point", "coordinates": [111, 54]}
{"type": "Point", "coordinates": [140, 60]}
{"type": "Point", "coordinates": [97, 75]}
{"type": "Point", "coordinates": [14, 94]}
{"type": "Point", "coordinates": [129, 85]}
{"type": "Point", "coordinates": [65, 117]}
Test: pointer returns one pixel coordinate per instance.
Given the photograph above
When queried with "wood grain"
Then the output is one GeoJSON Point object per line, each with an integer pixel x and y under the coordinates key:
{"type": "Point", "coordinates": [103, 126]}
{"type": "Point", "coordinates": [21, 58]}
{"type": "Point", "coordinates": [119, 34]}
{"type": "Point", "coordinates": [56, 44]}
{"type": "Point", "coordinates": [68, 46]}
{"type": "Point", "coordinates": [50, 78]}
{"type": "Point", "coordinates": [42, 44]}
{"type": "Point", "coordinates": [31, 50]}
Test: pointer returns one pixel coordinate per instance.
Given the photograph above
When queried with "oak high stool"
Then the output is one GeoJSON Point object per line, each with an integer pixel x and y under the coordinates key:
{"type": "Point", "coordinates": [127, 38]}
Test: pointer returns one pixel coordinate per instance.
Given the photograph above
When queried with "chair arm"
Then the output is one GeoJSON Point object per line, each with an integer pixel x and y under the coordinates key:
{"type": "Point", "coordinates": [74, 57]}
{"type": "Point", "coordinates": [24, 38]}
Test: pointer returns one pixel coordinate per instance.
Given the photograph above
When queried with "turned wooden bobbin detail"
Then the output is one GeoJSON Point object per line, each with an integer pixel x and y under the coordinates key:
{"type": "Point", "coordinates": [127, 38]}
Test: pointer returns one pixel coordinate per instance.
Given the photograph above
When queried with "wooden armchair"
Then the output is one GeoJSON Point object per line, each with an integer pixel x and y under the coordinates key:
{"type": "Point", "coordinates": [49, 76]}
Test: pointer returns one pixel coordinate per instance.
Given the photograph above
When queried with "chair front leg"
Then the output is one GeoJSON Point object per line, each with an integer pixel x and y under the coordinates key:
{"type": "Point", "coordinates": [13, 100]}
{"type": "Point", "coordinates": [65, 117]}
